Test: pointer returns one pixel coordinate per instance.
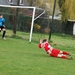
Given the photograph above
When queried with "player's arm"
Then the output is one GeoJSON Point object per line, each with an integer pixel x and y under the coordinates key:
{"type": "Point", "coordinates": [39, 45]}
{"type": "Point", "coordinates": [3, 21]}
{"type": "Point", "coordinates": [40, 41]}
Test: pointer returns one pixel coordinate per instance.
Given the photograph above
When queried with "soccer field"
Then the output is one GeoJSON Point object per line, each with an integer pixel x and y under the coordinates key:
{"type": "Point", "coordinates": [19, 57]}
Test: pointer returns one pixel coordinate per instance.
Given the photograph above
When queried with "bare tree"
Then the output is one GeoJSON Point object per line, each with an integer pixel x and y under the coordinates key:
{"type": "Point", "coordinates": [16, 19]}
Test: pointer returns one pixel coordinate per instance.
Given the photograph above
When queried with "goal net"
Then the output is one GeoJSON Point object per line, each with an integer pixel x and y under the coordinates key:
{"type": "Point", "coordinates": [29, 20]}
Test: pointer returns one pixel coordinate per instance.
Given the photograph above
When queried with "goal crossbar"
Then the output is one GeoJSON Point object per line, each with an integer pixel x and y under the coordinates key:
{"type": "Point", "coordinates": [16, 6]}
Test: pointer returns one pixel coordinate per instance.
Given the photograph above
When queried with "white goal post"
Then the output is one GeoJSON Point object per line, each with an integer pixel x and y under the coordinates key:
{"type": "Point", "coordinates": [33, 16]}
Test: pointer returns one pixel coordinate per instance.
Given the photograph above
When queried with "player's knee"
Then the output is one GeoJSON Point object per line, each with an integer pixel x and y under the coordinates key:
{"type": "Point", "coordinates": [0, 29]}
{"type": "Point", "coordinates": [4, 29]}
{"type": "Point", "coordinates": [61, 52]}
{"type": "Point", "coordinates": [60, 55]}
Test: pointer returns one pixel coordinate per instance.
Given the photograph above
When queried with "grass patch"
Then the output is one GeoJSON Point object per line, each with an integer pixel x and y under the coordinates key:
{"type": "Point", "coordinates": [19, 57]}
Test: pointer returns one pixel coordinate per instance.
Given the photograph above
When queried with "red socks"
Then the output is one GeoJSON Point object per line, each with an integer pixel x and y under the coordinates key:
{"type": "Point", "coordinates": [64, 57]}
{"type": "Point", "coordinates": [66, 53]}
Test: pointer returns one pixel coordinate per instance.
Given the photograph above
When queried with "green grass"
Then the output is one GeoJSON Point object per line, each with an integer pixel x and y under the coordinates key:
{"type": "Point", "coordinates": [19, 57]}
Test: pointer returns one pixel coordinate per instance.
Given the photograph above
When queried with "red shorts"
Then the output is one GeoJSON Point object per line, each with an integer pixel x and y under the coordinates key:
{"type": "Point", "coordinates": [55, 52]}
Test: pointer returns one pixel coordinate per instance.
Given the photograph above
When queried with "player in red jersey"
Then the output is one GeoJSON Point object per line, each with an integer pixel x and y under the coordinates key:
{"type": "Point", "coordinates": [53, 51]}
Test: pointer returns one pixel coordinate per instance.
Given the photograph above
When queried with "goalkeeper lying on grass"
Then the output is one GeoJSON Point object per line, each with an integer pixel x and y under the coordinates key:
{"type": "Point", "coordinates": [52, 51]}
